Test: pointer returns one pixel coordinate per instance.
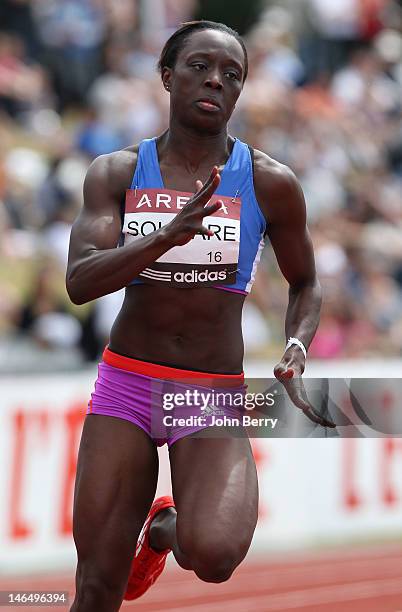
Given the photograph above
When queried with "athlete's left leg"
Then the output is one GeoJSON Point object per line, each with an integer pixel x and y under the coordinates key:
{"type": "Point", "coordinates": [215, 490]}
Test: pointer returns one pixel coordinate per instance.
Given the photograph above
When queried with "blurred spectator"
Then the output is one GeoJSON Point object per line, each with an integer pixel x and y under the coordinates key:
{"type": "Point", "coordinates": [45, 317]}
{"type": "Point", "coordinates": [365, 81]}
{"type": "Point", "coordinates": [23, 84]}
{"type": "Point", "coordinates": [72, 33]}
{"type": "Point", "coordinates": [16, 16]}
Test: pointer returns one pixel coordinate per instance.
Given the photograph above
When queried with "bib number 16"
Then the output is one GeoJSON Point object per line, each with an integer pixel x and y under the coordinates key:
{"type": "Point", "coordinates": [215, 256]}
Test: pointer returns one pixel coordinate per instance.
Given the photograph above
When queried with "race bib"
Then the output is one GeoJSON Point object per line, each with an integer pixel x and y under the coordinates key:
{"type": "Point", "coordinates": [204, 260]}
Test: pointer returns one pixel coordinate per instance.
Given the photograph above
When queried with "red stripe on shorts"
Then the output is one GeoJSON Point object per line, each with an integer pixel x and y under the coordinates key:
{"type": "Point", "coordinates": [155, 370]}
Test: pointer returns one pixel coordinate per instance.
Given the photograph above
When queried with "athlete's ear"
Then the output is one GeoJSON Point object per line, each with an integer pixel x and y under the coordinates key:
{"type": "Point", "coordinates": [167, 77]}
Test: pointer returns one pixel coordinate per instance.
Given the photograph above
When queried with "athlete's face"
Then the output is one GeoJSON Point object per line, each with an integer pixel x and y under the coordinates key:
{"type": "Point", "coordinates": [206, 80]}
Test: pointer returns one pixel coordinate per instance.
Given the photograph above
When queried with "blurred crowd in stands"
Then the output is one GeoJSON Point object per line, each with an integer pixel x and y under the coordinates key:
{"type": "Point", "coordinates": [78, 79]}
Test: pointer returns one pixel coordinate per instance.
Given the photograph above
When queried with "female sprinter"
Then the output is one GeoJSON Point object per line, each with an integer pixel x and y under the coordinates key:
{"type": "Point", "coordinates": [190, 230]}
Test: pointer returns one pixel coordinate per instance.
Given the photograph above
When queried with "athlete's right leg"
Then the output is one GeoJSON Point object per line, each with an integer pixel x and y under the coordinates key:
{"type": "Point", "coordinates": [115, 486]}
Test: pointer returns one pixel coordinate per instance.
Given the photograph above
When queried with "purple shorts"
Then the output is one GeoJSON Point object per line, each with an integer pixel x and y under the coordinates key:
{"type": "Point", "coordinates": [167, 403]}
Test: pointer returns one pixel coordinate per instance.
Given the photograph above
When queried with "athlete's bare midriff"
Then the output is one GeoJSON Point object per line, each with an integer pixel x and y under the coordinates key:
{"type": "Point", "coordinates": [194, 329]}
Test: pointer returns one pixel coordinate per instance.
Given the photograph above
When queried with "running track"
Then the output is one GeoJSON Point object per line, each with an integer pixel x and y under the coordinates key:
{"type": "Point", "coordinates": [365, 579]}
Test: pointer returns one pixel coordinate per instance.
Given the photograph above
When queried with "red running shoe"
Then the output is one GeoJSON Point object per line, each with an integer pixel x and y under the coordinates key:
{"type": "Point", "coordinates": [147, 564]}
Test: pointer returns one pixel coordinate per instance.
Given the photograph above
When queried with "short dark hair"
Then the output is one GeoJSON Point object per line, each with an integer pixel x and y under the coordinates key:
{"type": "Point", "coordinates": [177, 42]}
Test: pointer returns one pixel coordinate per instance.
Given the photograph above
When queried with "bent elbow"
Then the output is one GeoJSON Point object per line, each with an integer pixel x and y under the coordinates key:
{"type": "Point", "coordinates": [76, 296]}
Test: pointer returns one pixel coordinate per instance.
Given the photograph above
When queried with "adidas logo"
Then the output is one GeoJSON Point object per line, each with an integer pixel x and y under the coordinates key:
{"type": "Point", "coordinates": [199, 277]}
{"type": "Point", "coordinates": [185, 277]}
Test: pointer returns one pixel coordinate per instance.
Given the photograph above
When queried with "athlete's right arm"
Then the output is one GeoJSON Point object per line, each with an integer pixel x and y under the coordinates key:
{"type": "Point", "coordinates": [95, 266]}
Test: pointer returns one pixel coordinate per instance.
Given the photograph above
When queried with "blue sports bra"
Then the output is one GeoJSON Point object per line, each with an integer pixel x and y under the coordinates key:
{"type": "Point", "coordinates": [228, 260]}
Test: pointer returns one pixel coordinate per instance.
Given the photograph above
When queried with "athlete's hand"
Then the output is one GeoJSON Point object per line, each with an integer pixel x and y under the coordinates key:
{"type": "Point", "coordinates": [289, 372]}
{"type": "Point", "coordinates": [188, 222]}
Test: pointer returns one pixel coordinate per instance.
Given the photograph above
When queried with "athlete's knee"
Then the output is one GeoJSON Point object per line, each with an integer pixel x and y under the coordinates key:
{"type": "Point", "coordinates": [214, 573]}
{"type": "Point", "coordinates": [96, 591]}
{"type": "Point", "coordinates": [216, 561]}
{"type": "Point", "coordinates": [94, 595]}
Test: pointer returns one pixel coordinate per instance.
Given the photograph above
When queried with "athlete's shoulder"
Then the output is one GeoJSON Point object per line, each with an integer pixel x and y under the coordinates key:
{"type": "Point", "coordinates": [277, 188]}
{"type": "Point", "coordinates": [269, 173]}
{"type": "Point", "coordinates": [116, 164]}
{"type": "Point", "coordinates": [114, 170]}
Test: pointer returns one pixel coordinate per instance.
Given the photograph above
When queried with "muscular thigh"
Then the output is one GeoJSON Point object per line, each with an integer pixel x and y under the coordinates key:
{"type": "Point", "coordinates": [215, 490]}
{"type": "Point", "coordinates": [115, 485]}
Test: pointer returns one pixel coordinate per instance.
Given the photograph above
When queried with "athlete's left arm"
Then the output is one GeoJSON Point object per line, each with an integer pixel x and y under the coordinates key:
{"type": "Point", "coordinates": [282, 202]}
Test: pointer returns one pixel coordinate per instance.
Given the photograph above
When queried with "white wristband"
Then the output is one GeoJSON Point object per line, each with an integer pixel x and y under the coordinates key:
{"type": "Point", "coordinates": [298, 343]}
